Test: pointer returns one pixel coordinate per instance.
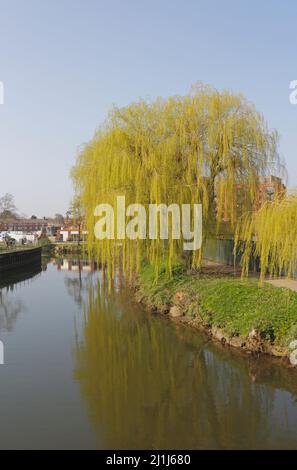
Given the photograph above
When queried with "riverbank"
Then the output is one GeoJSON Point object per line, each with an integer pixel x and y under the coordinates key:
{"type": "Point", "coordinates": [16, 258]}
{"type": "Point", "coordinates": [235, 312]}
{"type": "Point", "coordinates": [69, 248]}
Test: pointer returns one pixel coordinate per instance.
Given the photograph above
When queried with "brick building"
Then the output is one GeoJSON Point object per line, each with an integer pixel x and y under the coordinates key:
{"type": "Point", "coordinates": [23, 225]}
{"type": "Point", "coordinates": [268, 188]}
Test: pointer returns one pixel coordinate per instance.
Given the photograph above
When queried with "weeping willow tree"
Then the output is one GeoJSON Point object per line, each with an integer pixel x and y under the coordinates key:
{"type": "Point", "coordinates": [206, 147]}
{"type": "Point", "coordinates": [271, 235]}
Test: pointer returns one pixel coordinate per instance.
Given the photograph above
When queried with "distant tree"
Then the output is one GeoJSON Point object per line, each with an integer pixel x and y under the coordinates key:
{"type": "Point", "coordinates": [7, 215]}
{"type": "Point", "coordinates": [59, 218]}
{"type": "Point", "coordinates": [76, 212]}
{"type": "Point", "coordinates": [33, 217]}
{"type": "Point", "coordinates": [7, 207]}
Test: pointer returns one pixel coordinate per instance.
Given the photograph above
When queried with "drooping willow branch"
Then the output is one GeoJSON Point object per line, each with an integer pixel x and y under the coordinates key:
{"type": "Point", "coordinates": [271, 235]}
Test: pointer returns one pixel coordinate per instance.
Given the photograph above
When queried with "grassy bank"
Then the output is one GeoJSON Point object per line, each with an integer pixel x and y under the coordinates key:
{"type": "Point", "coordinates": [66, 248]}
{"type": "Point", "coordinates": [235, 311]}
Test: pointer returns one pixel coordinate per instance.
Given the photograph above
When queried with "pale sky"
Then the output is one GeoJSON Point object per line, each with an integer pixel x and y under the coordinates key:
{"type": "Point", "coordinates": [65, 63]}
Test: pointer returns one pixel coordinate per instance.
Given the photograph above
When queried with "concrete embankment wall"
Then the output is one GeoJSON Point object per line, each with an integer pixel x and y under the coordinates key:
{"type": "Point", "coordinates": [18, 258]}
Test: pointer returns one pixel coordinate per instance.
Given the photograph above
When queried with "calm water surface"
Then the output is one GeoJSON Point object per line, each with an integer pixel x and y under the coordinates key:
{"type": "Point", "coordinates": [89, 369]}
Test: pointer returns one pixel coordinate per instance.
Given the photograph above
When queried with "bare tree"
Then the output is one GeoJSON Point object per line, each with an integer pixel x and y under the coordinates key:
{"type": "Point", "coordinates": [77, 214]}
{"type": "Point", "coordinates": [7, 207]}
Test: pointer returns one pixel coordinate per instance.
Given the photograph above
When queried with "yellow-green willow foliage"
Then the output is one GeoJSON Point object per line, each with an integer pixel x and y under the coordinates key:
{"type": "Point", "coordinates": [271, 235]}
{"type": "Point", "coordinates": [199, 148]}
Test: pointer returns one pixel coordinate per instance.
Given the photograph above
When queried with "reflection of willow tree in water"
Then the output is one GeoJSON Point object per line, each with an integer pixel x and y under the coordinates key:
{"type": "Point", "coordinates": [148, 385]}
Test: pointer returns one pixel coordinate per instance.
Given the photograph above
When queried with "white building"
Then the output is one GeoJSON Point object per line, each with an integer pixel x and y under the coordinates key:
{"type": "Point", "coordinates": [19, 236]}
{"type": "Point", "coordinates": [71, 234]}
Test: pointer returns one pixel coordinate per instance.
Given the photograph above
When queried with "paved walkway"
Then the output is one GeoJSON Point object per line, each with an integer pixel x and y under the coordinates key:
{"type": "Point", "coordinates": [288, 283]}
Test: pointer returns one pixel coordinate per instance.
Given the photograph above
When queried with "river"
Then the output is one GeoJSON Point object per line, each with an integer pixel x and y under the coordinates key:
{"type": "Point", "coordinates": [88, 368]}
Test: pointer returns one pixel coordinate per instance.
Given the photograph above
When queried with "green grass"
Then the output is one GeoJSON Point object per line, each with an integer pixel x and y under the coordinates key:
{"type": "Point", "coordinates": [235, 305]}
{"type": "Point", "coordinates": [17, 247]}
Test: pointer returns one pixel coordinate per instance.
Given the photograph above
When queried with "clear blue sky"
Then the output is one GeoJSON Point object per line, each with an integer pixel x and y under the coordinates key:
{"type": "Point", "coordinates": [64, 63]}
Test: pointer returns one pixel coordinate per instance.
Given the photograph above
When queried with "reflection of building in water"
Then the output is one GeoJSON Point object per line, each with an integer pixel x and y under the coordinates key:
{"type": "Point", "coordinates": [82, 275]}
{"type": "Point", "coordinates": [75, 265]}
